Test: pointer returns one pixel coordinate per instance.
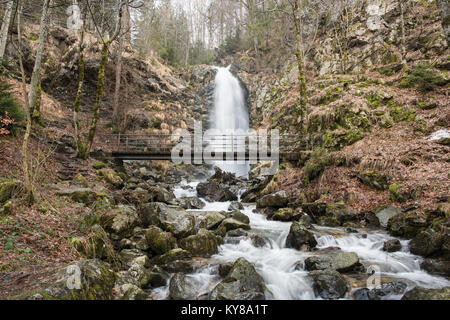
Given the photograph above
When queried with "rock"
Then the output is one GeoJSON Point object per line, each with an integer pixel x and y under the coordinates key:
{"type": "Point", "coordinates": [215, 192]}
{"type": "Point", "coordinates": [300, 238]}
{"type": "Point", "coordinates": [426, 243]}
{"type": "Point", "coordinates": [9, 190]}
{"type": "Point", "coordinates": [213, 220]}
{"type": "Point", "coordinates": [406, 225]}
{"type": "Point", "coordinates": [203, 244]}
{"type": "Point", "coordinates": [136, 275]}
{"type": "Point", "coordinates": [275, 200]}
{"type": "Point", "coordinates": [111, 177]}
{"type": "Point", "coordinates": [159, 242]}
{"type": "Point", "coordinates": [225, 268]}
{"type": "Point", "coordinates": [241, 283]}
{"type": "Point", "coordinates": [419, 293]}
{"type": "Point", "coordinates": [172, 255]}
{"type": "Point", "coordinates": [374, 179]}
{"type": "Point", "coordinates": [259, 241]}
{"type": "Point", "coordinates": [386, 289]}
{"type": "Point", "coordinates": [158, 277]}
{"type": "Point", "coordinates": [183, 287]}
{"type": "Point", "coordinates": [437, 267]}
{"type": "Point", "coordinates": [127, 256]}
{"type": "Point", "coordinates": [191, 203]}
{"type": "Point", "coordinates": [285, 214]}
{"type": "Point", "coordinates": [239, 216]}
{"type": "Point", "coordinates": [98, 165]}
{"type": "Point", "coordinates": [328, 284]}
{"type": "Point", "coordinates": [329, 222]}
{"type": "Point", "coordinates": [160, 194]}
{"type": "Point", "coordinates": [120, 222]}
{"type": "Point", "coordinates": [96, 282]}
{"type": "Point", "coordinates": [231, 224]}
{"type": "Point", "coordinates": [235, 205]}
{"type": "Point", "coordinates": [223, 177]}
{"type": "Point", "coordinates": [150, 213]}
{"type": "Point", "coordinates": [315, 210]}
{"type": "Point", "coordinates": [253, 193]}
{"type": "Point", "coordinates": [237, 233]}
{"type": "Point", "coordinates": [179, 266]}
{"type": "Point", "coordinates": [336, 260]}
{"type": "Point", "coordinates": [83, 195]}
{"type": "Point", "coordinates": [386, 214]}
{"type": "Point", "coordinates": [130, 292]}
{"type": "Point", "coordinates": [80, 181]}
{"type": "Point", "coordinates": [392, 245]}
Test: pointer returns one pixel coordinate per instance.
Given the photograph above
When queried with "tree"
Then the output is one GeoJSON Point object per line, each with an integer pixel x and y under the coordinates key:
{"type": "Point", "coordinates": [5, 28]}
{"type": "Point", "coordinates": [35, 90]}
{"type": "Point", "coordinates": [402, 26]}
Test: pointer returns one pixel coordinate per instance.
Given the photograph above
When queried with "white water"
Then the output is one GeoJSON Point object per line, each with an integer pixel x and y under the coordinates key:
{"type": "Point", "coordinates": [230, 115]}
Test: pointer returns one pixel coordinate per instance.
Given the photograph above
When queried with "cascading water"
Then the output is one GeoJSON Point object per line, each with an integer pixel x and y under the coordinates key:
{"type": "Point", "coordinates": [230, 115]}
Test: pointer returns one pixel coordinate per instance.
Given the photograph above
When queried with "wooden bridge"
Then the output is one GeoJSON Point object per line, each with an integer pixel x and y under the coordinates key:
{"type": "Point", "coordinates": [222, 147]}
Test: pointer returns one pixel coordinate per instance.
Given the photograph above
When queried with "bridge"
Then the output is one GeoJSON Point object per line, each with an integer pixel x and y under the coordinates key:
{"type": "Point", "coordinates": [221, 147]}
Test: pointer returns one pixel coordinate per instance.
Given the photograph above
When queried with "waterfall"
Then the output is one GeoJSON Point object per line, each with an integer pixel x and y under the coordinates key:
{"type": "Point", "coordinates": [230, 114]}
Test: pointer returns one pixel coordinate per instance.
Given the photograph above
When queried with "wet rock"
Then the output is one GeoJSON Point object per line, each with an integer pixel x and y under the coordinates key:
{"type": "Point", "coordinates": [215, 192]}
{"type": "Point", "coordinates": [223, 177]}
{"type": "Point", "coordinates": [203, 244]}
{"type": "Point", "coordinates": [315, 210]}
{"type": "Point", "coordinates": [231, 224]}
{"type": "Point", "coordinates": [225, 268]}
{"type": "Point", "coordinates": [386, 214]}
{"type": "Point", "coordinates": [259, 241]}
{"type": "Point", "coordinates": [392, 245]}
{"type": "Point", "coordinates": [127, 256]}
{"type": "Point", "coordinates": [96, 282]}
{"type": "Point", "coordinates": [183, 287]}
{"type": "Point", "coordinates": [406, 225]}
{"type": "Point", "coordinates": [191, 203]}
{"type": "Point", "coordinates": [336, 260]}
{"type": "Point", "coordinates": [328, 284]}
{"type": "Point", "coordinates": [386, 290]}
{"type": "Point", "coordinates": [159, 242]}
{"type": "Point", "coordinates": [274, 200]}
{"type": "Point", "coordinates": [419, 293]}
{"type": "Point", "coordinates": [179, 266]}
{"type": "Point", "coordinates": [120, 222]}
{"type": "Point", "coordinates": [437, 267]}
{"type": "Point", "coordinates": [213, 220]}
{"type": "Point", "coordinates": [285, 214]}
{"type": "Point", "coordinates": [241, 283]}
{"type": "Point", "coordinates": [327, 221]}
{"type": "Point", "coordinates": [234, 205]}
{"type": "Point", "coordinates": [427, 243]}
{"type": "Point", "coordinates": [237, 233]}
{"type": "Point", "coordinates": [300, 238]}
{"type": "Point", "coordinates": [239, 216]}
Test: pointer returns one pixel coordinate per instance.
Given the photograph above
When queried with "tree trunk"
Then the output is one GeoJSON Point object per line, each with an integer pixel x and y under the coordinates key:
{"type": "Point", "coordinates": [303, 99]}
{"type": "Point", "coordinates": [29, 190]}
{"type": "Point", "coordinates": [5, 28]}
{"type": "Point", "coordinates": [403, 41]}
{"type": "Point", "coordinates": [35, 77]}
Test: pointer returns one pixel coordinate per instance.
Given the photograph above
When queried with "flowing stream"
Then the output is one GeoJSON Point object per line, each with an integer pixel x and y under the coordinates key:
{"type": "Point", "coordinates": [282, 268]}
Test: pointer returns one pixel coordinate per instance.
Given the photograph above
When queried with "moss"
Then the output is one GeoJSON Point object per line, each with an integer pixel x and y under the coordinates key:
{"type": "Point", "coordinates": [10, 189]}
{"type": "Point", "coordinates": [331, 96]}
{"type": "Point", "coordinates": [426, 105]}
{"type": "Point", "coordinates": [317, 163]}
{"type": "Point", "coordinates": [424, 77]}
{"type": "Point", "coordinates": [329, 221]}
{"type": "Point", "coordinates": [374, 179]}
{"type": "Point", "coordinates": [390, 70]}
{"type": "Point", "coordinates": [399, 113]}
{"type": "Point", "coordinates": [98, 165]}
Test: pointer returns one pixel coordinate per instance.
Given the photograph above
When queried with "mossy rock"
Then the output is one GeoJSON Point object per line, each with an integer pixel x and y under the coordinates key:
{"type": "Point", "coordinates": [9, 189]}
{"type": "Point", "coordinates": [6, 208]}
{"type": "Point", "coordinates": [374, 179]}
{"type": "Point", "coordinates": [84, 195]}
{"type": "Point", "coordinates": [203, 244]}
{"type": "Point", "coordinates": [112, 177]}
{"type": "Point", "coordinates": [444, 141]}
{"type": "Point", "coordinates": [98, 165]}
{"type": "Point", "coordinates": [159, 242]}
{"type": "Point", "coordinates": [80, 180]}
{"type": "Point", "coordinates": [329, 221]}
{"type": "Point", "coordinates": [285, 214]}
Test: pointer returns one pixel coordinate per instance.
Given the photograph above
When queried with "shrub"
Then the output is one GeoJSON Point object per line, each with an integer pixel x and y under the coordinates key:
{"type": "Point", "coordinates": [9, 106]}
{"type": "Point", "coordinates": [424, 77]}
{"type": "Point", "coordinates": [317, 163]}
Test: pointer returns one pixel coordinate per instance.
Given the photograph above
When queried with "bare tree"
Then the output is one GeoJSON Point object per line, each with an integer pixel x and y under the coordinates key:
{"type": "Point", "coordinates": [5, 28]}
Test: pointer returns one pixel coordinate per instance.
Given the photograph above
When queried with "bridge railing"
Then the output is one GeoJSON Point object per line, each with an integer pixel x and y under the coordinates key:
{"type": "Point", "coordinates": [164, 143]}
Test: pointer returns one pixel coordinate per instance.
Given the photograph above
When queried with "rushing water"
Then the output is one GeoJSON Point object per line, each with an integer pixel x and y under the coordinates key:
{"type": "Point", "coordinates": [230, 116]}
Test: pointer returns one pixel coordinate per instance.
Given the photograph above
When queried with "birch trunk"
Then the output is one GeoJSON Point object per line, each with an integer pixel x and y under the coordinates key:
{"type": "Point", "coordinates": [5, 28]}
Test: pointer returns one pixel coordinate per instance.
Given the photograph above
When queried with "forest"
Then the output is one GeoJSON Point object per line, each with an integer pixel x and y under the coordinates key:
{"type": "Point", "coordinates": [348, 200]}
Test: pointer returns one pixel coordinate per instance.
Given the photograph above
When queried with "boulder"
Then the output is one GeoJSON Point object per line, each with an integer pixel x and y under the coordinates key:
{"type": "Point", "coordinates": [159, 242]}
{"type": "Point", "coordinates": [285, 214]}
{"type": "Point", "coordinates": [392, 245]}
{"type": "Point", "coordinates": [386, 290]}
{"type": "Point", "coordinates": [171, 256]}
{"type": "Point", "coordinates": [300, 238]}
{"type": "Point", "coordinates": [239, 216]}
{"type": "Point", "coordinates": [437, 267]}
{"type": "Point", "coordinates": [83, 195]}
{"type": "Point", "coordinates": [130, 292]}
{"type": "Point", "coordinates": [111, 177]}
{"type": "Point", "coordinates": [215, 192]}
{"type": "Point", "coordinates": [191, 203]}
{"type": "Point", "coordinates": [9, 189]}
{"type": "Point", "coordinates": [419, 293]}
{"type": "Point", "coordinates": [386, 214]}
{"type": "Point", "coordinates": [223, 177]}
{"type": "Point", "coordinates": [96, 282]}
{"type": "Point", "coordinates": [427, 243]}
{"type": "Point", "coordinates": [275, 200]}
{"type": "Point", "coordinates": [80, 180]}
{"type": "Point", "coordinates": [184, 287]}
{"type": "Point", "coordinates": [136, 275]}
{"type": "Point", "coordinates": [120, 222]}
{"type": "Point", "coordinates": [235, 205]}
{"type": "Point", "coordinates": [127, 256]}
{"type": "Point", "coordinates": [231, 224]}
{"type": "Point", "coordinates": [213, 220]}
{"type": "Point", "coordinates": [335, 260]}
{"type": "Point", "coordinates": [241, 283]}
{"type": "Point", "coordinates": [328, 284]}
{"type": "Point", "coordinates": [203, 244]}
{"type": "Point", "coordinates": [160, 194]}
